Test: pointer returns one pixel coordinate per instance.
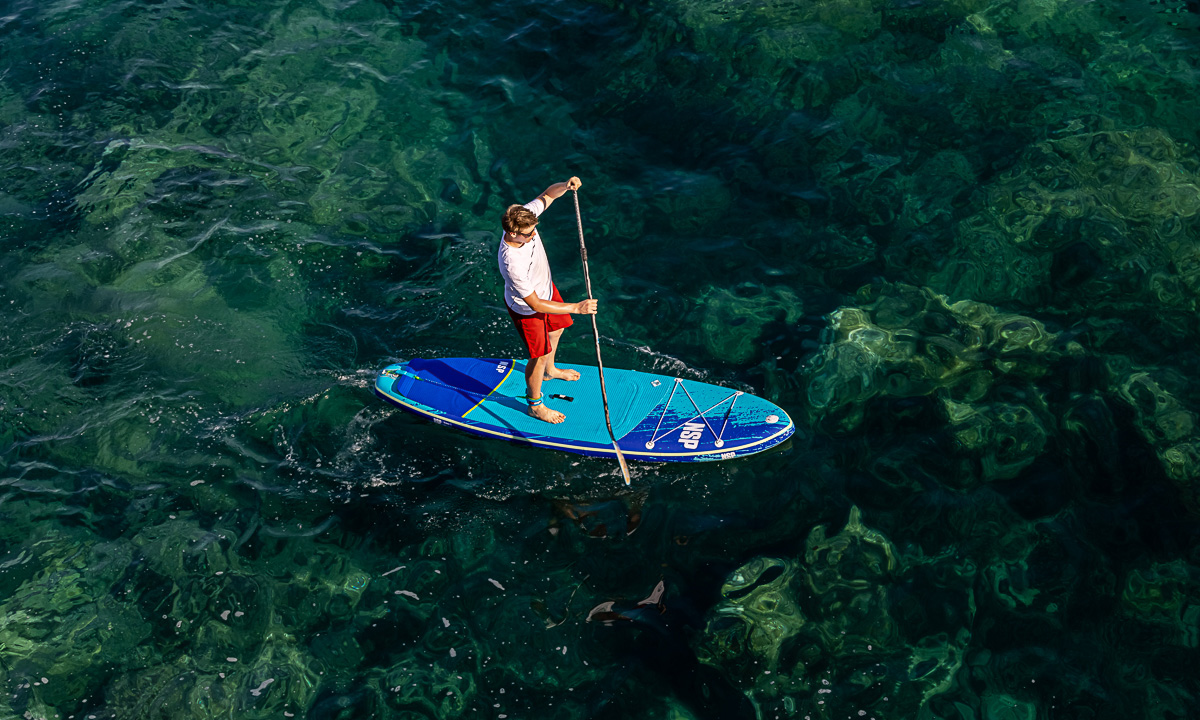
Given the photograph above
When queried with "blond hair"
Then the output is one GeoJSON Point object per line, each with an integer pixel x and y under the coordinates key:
{"type": "Point", "coordinates": [517, 216]}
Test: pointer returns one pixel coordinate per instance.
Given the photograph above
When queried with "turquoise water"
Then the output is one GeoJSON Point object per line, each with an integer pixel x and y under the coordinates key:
{"type": "Point", "coordinates": [958, 242]}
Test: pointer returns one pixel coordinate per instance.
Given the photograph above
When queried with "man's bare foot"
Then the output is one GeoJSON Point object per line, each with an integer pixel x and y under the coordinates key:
{"type": "Point", "coordinates": [541, 412]}
{"type": "Point", "coordinates": [560, 374]}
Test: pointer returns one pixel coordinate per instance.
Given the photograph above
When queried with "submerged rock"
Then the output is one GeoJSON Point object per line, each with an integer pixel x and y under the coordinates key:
{"type": "Point", "coordinates": [818, 634]}
{"type": "Point", "coordinates": [1161, 599]}
{"type": "Point", "coordinates": [747, 632]}
{"type": "Point", "coordinates": [903, 341]}
{"type": "Point", "coordinates": [1127, 197]}
{"type": "Point", "coordinates": [62, 629]}
{"type": "Point", "coordinates": [1169, 427]}
{"type": "Point", "coordinates": [1004, 437]}
{"type": "Point", "coordinates": [733, 321]}
{"type": "Point", "coordinates": [991, 374]}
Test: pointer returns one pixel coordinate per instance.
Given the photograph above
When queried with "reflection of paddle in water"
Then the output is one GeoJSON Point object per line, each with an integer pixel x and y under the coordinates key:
{"type": "Point", "coordinates": [609, 612]}
{"type": "Point", "coordinates": [668, 654]}
{"type": "Point", "coordinates": [594, 518]}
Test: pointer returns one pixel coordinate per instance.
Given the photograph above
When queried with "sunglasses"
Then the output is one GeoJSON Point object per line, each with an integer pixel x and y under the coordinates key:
{"type": "Point", "coordinates": [531, 233]}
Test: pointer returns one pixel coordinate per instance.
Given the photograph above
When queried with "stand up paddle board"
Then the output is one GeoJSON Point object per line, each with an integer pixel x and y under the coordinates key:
{"type": "Point", "coordinates": [654, 417]}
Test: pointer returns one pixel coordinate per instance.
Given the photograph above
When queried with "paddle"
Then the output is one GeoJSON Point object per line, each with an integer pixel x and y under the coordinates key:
{"type": "Point", "coordinates": [596, 333]}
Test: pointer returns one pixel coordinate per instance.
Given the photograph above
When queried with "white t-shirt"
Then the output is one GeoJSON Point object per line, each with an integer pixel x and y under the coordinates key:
{"type": "Point", "coordinates": [525, 269]}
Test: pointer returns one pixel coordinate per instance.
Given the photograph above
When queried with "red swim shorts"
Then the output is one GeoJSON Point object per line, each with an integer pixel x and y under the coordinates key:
{"type": "Point", "coordinates": [535, 329]}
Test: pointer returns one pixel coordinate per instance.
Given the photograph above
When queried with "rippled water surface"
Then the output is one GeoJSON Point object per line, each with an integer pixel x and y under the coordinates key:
{"type": "Point", "coordinates": [959, 242]}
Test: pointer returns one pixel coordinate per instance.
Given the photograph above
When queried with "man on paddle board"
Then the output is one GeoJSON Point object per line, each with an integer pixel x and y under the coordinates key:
{"type": "Point", "coordinates": [534, 302]}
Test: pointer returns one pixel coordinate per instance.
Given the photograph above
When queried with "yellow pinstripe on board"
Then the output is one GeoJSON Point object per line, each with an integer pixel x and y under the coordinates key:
{"type": "Point", "coordinates": [485, 397]}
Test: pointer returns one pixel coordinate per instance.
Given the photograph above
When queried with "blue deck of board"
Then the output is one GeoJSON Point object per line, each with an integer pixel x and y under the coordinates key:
{"type": "Point", "coordinates": [654, 417]}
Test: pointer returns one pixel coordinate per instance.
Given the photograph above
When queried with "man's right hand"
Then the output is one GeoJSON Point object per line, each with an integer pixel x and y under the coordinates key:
{"type": "Point", "coordinates": [585, 307]}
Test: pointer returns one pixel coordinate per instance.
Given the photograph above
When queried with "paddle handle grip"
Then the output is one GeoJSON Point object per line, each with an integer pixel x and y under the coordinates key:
{"type": "Point", "coordinates": [587, 278]}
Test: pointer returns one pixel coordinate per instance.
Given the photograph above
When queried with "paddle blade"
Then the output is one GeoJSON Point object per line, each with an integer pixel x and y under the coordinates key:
{"type": "Point", "coordinates": [624, 466]}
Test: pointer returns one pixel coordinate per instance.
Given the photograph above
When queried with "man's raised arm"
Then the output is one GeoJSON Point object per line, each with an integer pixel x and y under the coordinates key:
{"type": "Point", "coordinates": [557, 190]}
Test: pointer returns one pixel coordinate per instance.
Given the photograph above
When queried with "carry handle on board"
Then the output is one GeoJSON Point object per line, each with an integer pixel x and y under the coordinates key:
{"type": "Point", "coordinates": [596, 333]}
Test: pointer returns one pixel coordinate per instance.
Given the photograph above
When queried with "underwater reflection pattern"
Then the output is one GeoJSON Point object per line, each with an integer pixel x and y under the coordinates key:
{"type": "Point", "coordinates": [958, 242]}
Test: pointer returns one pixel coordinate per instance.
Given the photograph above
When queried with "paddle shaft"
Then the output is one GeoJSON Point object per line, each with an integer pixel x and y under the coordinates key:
{"type": "Point", "coordinates": [596, 333]}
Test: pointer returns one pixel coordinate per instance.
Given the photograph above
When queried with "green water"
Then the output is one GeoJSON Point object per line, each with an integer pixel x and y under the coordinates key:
{"type": "Point", "coordinates": [958, 242]}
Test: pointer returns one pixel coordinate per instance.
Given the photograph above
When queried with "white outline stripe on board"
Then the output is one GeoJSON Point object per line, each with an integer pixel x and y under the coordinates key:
{"type": "Point", "coordinates": [544, 443]}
